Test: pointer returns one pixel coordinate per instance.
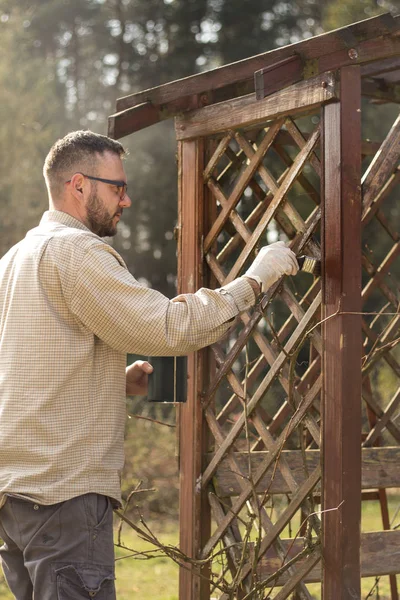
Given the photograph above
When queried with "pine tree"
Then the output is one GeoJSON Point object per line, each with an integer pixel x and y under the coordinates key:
{"type": "Point", "coordinates": [30, 120]}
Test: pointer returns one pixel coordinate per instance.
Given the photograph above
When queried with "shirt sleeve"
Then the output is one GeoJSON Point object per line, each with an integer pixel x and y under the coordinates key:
{"type": "Point", "coordinates": [132, 318]}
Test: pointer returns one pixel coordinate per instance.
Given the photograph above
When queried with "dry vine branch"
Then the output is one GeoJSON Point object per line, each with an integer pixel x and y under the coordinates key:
{"type": "Point", "coordinates": [137, 490]}
{"type": "Point", "coordinates": [151, 420]}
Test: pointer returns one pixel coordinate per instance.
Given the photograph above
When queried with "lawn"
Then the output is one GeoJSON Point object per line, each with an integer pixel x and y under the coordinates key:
{"type": "Point", "coordinates": [152, 579]}
{"type": "Point", "coordinates": [157, 578]}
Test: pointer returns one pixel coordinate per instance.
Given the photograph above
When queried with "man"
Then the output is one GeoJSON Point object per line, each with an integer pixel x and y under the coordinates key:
{"type": "Point", "coordinates": [70, 312]}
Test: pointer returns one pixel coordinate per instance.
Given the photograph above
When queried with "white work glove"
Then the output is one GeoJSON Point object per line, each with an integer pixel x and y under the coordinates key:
{"type": "Point", "coordinates": [271, 263]}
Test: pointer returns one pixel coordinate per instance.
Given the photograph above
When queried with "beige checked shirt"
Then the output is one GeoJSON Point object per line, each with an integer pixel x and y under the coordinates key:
{"type": "Point", "coordinates": [70, 312]}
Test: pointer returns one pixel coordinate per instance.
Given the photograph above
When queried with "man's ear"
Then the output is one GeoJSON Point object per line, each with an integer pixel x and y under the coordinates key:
{"type": "Point", "coordinates": [77, 184]}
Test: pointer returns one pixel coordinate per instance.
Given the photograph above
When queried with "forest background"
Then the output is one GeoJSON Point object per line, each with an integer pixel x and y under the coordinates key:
{"type": "Point", "coordinates": [63, 63]}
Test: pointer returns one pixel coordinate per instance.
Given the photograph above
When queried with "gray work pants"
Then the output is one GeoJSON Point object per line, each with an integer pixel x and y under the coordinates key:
{"type": "Point", "coordinates": [63, 551]}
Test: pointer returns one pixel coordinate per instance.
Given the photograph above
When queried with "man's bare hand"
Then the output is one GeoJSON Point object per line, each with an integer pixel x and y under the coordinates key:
{"type": "Point", "coordinates": [137, 378]}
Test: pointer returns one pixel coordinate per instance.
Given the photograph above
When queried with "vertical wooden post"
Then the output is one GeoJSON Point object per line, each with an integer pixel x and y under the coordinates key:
{"type": "Point", "coordinates": [341, 429]}
{"type": "Point", "coordinates": [193, 509]}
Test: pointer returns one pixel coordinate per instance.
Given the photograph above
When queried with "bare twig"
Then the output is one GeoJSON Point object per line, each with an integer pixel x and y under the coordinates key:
{"type": "Point", "coordinates": [151, 420]}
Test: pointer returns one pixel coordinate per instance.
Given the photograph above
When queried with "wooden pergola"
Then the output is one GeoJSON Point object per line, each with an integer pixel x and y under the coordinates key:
{"type": "Point", "coordinates": [288, 425]}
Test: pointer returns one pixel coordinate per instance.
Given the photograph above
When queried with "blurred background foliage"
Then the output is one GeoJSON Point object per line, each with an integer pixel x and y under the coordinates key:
{"type": "Point", "coordinates": [63, 63]}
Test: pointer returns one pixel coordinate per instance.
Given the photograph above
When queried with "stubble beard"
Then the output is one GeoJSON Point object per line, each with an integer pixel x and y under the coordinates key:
{"type": "Point", "coordinates": [99, 220]}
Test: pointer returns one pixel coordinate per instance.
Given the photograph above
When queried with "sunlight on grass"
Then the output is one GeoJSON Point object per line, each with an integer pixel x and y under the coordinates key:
{"type": "Point", "coordinates": [147, 579]}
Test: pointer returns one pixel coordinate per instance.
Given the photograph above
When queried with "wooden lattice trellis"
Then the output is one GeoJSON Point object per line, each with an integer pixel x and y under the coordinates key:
{"type": "Point", "coordinates": [274, 429]}
{"type": "Point", "coordinates": [250, 177]}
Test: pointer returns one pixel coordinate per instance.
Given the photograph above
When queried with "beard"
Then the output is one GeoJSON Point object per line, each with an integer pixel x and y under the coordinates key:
{"type": "Point", "coordinates": [99, 219]}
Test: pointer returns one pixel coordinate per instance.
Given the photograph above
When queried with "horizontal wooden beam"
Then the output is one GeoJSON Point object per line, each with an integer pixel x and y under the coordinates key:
{"type": "Point", "coordinates": [149, 113]}
{"type": "Point", "coordinates": [247, 111]}
{"type": "Point", "coordinates": [145, 114]}
{"type": "Point", "coordinates": [380, 469]}
{"type": "Point", "coordinates": [236, 79]}
{"type": "Point", "coordinates": [379, 89]}
{"type": "Point", "coordinates": [380, 555]}
{"type": "Point", "coordinates": [367, 51]}
{"type": "Point", "coordinates": [378, 68]}
{"type": "Point", "coordinates": [133, 119]}
{"type": "Point", "coordinates": [280, 75]}
{"type": "Point", "coordinates": [236, 72]}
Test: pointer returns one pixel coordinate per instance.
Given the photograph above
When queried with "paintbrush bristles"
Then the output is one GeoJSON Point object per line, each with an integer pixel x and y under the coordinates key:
{"type": "Point", "coordinates": [310, 265]}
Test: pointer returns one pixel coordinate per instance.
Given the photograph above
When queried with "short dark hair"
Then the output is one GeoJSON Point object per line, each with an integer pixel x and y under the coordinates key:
{"type": "Point", "coordinates": [74, 152]}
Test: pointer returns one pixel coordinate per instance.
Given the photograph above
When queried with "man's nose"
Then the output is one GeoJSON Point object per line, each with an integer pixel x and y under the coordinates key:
{"type": "Point", "coordinates": [126, 201]}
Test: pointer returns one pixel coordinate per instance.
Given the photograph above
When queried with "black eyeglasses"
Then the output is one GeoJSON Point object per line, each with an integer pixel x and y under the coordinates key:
{"type": "Point", "coordinates": [119, 183]}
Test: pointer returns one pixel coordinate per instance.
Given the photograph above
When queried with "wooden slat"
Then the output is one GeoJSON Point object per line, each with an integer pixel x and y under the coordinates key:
{"type": "Point", "coordinates": [265, 384]}
{"type": "Point", "coordinates": [270, 445]}
{"type": "Point", "coordinates": [380, 67]}
{"type": "Point", "coordinates": [286, 516]}
{"type": "Point", "coordinates": [286, 215]}
{"type": "Point", "coordinates": [217, 155]}
{"type": "Point", "coordinates": [301, 141]}
{"type": "Point", "coordinates": [381, 90]}
{"type": "Point", "coordinates": [380, 555]}
{"type": "Point", "coordinates": [305, 183]}
{"type": "Point", "coordinates": [383, 501]}
{"type": "Point", "coordinates": [380, 197]}
{"type": "Point", "coordinates": [380, 469]}
{"type": "Point", "coordinates": [377, 48]}
{"type": "Point", "coordinates": [135, 118]}
{"type": "Point", "coordinates": [369, 148]}
{"type": "Point", "coordinates": [285, 410]}
{"type": "Point", "coordinates": [308, 564]}
{"type": "Point", "coordinates": [381, 271]}
{"type": "Point", "coordinates": [237, 221]}
{"type": "Point", "coordinates": [143, 114]}
{"type": "Point", "coordinates": [382, 423]}
{"type": "Point", "coordinates": [371, 269]}
{"type": "Point", "coordinates": [241, 184]}
{"type": "Point", "coordinates": [232, 538]}
{"type": "Point", "coordinates": [192, 505]}
{"type": "Point", "coordinates": [241, 341]}
{"type": "Point", "coordinates": [280, 194]}
{"type": "Point", "coordinates": [247, 111]}
{"type": "Point", "coordinates": [269, 355]}
{"type": "Point", "coordinates": [280, 75]}
{"type": "Point", "coordinates": [297, 312]}
{"type": "Point", "coordinates": [247, 490]}
{"type": "Point", "coordinates": [387, 356]}
{"type": "Point", "coordinates": [374, 406]}
{"type": "Point", "coordinates": [253, 218]}
{"type": "Point", "coordinates": [387, 225]}
{"type": "Point", "coordinates": [382, 166]}
{"type": "Point", "coordinates": [266, 523]}
{"type": "Point", "coordinates": [342, 341]}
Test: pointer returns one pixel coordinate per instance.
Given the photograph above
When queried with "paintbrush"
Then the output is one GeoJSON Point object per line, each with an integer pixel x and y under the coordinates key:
{"type": "Point", "coordinates": [309, 264]}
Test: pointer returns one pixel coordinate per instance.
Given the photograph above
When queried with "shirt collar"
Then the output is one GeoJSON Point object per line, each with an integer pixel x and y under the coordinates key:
{"type": "Point", "coordinates": [61, 217]}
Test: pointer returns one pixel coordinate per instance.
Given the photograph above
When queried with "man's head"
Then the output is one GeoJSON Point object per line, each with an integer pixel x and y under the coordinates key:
{"type": "Point", "coordinates": [85, 177]}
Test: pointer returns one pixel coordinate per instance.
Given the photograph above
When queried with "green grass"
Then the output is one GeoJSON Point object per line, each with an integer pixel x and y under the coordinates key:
{"type": "Point", "coordinates": [382, 592]}
{"type": "Point", "coordinates": [157, 578]}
